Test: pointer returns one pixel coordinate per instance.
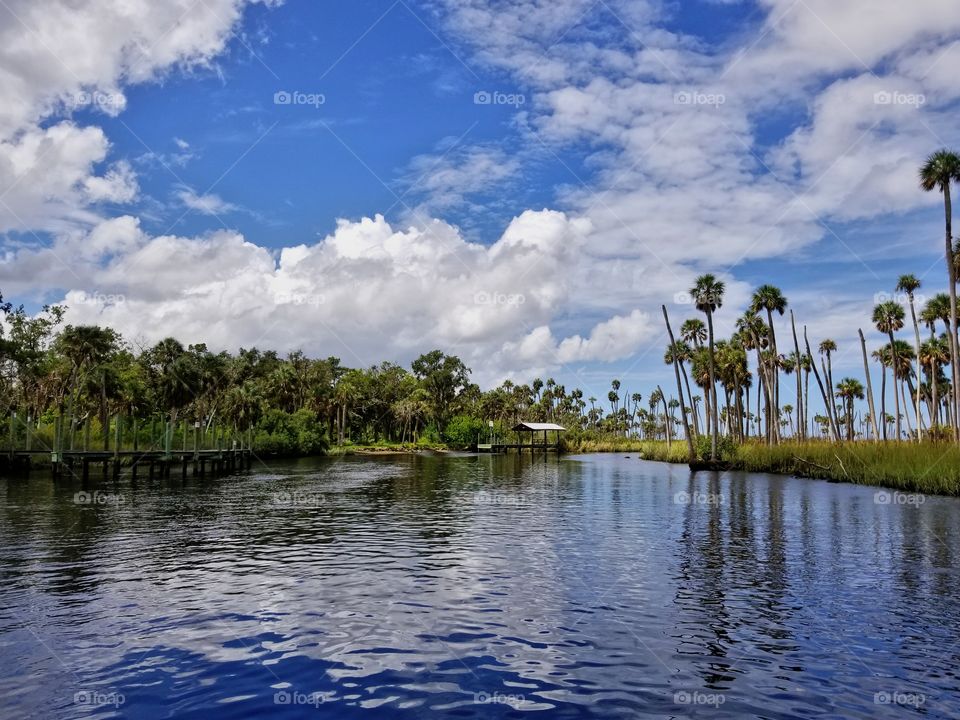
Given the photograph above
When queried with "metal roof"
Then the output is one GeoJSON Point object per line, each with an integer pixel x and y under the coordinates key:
{"type": "Point", "coordinates": [538, 426]}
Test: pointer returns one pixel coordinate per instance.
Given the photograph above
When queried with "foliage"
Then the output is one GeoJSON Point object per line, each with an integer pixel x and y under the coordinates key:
{"type": "Point", "coordinates": [463, 431]}
{"type": "Point", "coordinates": [289, 434]}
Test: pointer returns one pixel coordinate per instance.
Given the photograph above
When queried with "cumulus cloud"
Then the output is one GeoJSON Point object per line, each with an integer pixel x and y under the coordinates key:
{"type": "Point", "coordinates": [683, 179]}
{"type": "Point", "coordinates": [365, 292]}
{"type": "Point", "coordinates": [66, 58]}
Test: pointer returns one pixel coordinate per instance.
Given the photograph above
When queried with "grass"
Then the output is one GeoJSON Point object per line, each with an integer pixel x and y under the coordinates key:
{"type": "Point", "coordinates": [649, 449]}
{"type": "Point", "coordinates": [932, 468]}
{"type": "Point", "coordinates": [384, 447]}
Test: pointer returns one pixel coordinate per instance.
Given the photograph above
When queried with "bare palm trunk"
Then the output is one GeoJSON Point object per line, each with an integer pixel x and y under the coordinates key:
{"type": "Point", "coordinates": [866, 371]}
{"type": "Point", "coordinates": [916, 332]}
{"type": "Point", "coordinates": [797, 370]}
{"type": "Point", "coordinates": [693, 405]}
{"type": "Point", "coordinates": [827, 401]}
{"type": "Point", "coordinates": [906, 405]}
{"type": "Point", "coordinates": [952, 274]}
{"type": "Point", "coordinates": [883, 399]}
{"type": "Point", "coordinates": [896, 397]}
{"type": "Point", "coordinates": [683, 409]}
{"type": "Point", "coordinates": [829, 373]}
{"type": "Point", "coordinates": [935, 412]}
{"type": "Point", "coordinates": [714, 424]}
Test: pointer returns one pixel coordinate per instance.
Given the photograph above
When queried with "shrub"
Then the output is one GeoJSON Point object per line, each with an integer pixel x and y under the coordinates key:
{"type": "Point", "coordinates": [463, 431]}
{"type": "Point", "coordinates": [283, 433]}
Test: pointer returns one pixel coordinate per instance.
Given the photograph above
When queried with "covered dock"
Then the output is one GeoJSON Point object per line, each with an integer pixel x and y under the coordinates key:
{"type": "Point", "coordinates": [538, 433]}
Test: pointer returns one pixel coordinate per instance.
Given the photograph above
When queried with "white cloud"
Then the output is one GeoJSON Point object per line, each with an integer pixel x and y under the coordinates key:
{"type": "Point", "coordinates": [684, 179]}
{"type": "Point", "coordinates": [206, 204]}
{"type": "Point", "coordinates": [61, 58]}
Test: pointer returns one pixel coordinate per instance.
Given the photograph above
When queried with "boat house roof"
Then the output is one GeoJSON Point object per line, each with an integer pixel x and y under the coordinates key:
{"type": "Point", "coordinates": [533, 427]}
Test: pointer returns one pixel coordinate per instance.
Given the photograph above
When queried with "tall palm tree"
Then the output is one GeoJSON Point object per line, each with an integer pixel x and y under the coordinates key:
{"type": "Point", "coordinates": [909, 284]}
{"type": "Point", "coordinates": [888, 317]}
{"type": "Point", "coordinates": [827, 348]}
{"type": "Point", "coordinates": [707, 293]}
{"type": "Point", "coordinates": [940, 169]}
{"type": "Point", "coordinates": [770, 299]}
{"type": "Point", "coordinates": [848, 390]}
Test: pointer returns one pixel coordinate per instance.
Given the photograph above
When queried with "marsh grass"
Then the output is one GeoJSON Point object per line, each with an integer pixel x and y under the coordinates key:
{"type": "Point", "coordinates": [926, 467]}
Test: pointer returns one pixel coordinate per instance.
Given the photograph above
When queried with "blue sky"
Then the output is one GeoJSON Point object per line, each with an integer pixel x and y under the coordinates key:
{"type": "Point", "coordinates": [629, 147]}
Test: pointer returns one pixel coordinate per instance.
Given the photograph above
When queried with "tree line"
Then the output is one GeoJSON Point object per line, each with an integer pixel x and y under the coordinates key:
{"type": "Point", "coordinates": [79, 383]}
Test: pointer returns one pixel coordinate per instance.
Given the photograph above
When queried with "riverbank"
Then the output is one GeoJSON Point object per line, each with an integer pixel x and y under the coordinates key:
{"type": "Point", "coordinates": [389, 449]}
{"type": "Point", "coordinates": [932, 468]}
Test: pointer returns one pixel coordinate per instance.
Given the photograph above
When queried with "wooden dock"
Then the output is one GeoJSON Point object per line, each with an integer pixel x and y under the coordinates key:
{"type": "Point", "coordinates": [228, 454]}
{"type": "Point", "coordinates": [153, 463]}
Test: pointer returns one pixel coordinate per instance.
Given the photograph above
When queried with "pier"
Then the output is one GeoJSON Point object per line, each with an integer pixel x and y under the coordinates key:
{"type": "Point", "coordinates": [227, 453]}
{"type": "Point", "coordinates": [535, 445]}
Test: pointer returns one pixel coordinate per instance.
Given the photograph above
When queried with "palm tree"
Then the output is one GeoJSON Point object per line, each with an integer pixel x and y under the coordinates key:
{"type": "Point", "coordinates": [827, 348]}
{"type": "Point", "coordinates": [934, 354]}
{"type": "Point", "coordinates": [888, 317]}
{"type": "Point", "coordinates": [681, 352]}
{"type": "Point", "coordinates": [848, 390]}
{"type": "Point", "coordinates": [940, 169]}
{"type": "Point", "coordinates": [707, 293]}
{"type": "Point", "coordinates": [937, 308]}
{"type": "Point", "coordinates": [754, 335]}
{"type": "Point", "coordinates": [694, 331]}
{"type": "Point", "coordinates": [771, 299]}
{"type": "Point", "coordinates": [910, 284]}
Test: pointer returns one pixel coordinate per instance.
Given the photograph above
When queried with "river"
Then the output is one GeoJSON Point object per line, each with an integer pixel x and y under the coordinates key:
{"type": "Point", "coordinates": [477, 587]}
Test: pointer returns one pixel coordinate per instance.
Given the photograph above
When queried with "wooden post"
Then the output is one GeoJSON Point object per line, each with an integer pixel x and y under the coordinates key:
{"type": "Point", "coordinates": [13, 430]}
{"type": "Point", "coordinates": [117, 438]}
{"type": "Point", "coordinates": [29, 433]}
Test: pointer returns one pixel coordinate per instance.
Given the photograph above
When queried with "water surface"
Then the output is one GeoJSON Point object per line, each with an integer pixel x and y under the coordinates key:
{"type": "Point", "coordinates": [461, 587]}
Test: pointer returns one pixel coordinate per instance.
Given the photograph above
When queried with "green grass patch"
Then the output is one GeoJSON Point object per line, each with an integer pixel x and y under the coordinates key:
{"type": "Point", "coordinates": [928, 467]}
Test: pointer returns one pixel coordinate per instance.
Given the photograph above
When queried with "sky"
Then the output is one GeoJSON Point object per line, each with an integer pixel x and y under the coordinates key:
{"type": "Point", "coordinates": [522, 184]}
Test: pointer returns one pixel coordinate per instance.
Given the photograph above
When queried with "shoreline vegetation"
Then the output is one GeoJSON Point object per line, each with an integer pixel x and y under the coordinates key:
{"type": "Point", "coordinates": [930, 468]}
{"type": "Point", "coordinates": [743, 401]}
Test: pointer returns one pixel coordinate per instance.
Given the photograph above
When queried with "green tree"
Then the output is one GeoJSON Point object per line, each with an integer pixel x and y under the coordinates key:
{"type": "Point", "coordinates": [940, 170]}
{"type": "Point", "coordinates": [444, 377]}
{"type": "Point", "coordinates": [707, 293]}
